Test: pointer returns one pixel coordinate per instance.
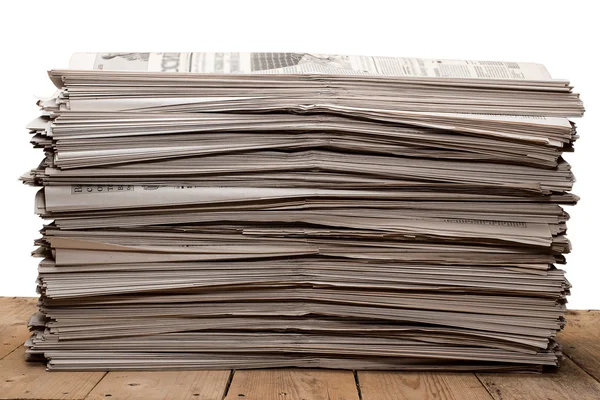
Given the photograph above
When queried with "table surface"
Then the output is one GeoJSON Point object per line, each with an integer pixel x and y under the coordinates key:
{"type": "Point", "coordinates": [578, 378]}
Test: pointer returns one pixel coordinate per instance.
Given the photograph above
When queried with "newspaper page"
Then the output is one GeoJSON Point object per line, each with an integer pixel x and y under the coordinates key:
{"type": "Point", "coordinates": [307, 63]}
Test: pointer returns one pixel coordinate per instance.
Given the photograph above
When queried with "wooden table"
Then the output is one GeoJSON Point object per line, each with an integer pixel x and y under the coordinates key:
{"type": "Point", "coordinates": [578, 378]}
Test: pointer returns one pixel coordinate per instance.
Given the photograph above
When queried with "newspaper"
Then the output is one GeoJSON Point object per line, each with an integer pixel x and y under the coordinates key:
{"type": "Point", "coordinates": [265, 210]}
{"type": "Point", "coordinates": [370, 87]}
{"type": "Point", "coordinates": [307, 63]}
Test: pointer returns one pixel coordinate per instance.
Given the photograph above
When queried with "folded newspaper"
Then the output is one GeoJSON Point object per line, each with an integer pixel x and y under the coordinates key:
{"type": "Point", "coordinates": [258, 210]}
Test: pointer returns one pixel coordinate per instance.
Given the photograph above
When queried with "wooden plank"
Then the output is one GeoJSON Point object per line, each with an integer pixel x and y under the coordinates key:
{"type": "Point", "coordinates": [171, 385]}
{"type": "Point", "coordinates": [569, 383]}
{"type": "Point", "coordinates": [581, 340]}
{"type": "Point", "coordinates": [386, 385]}
{"type": "Point", "coordinates": [22, 380]}
{"type": "Point", "coordinates": [14, 314]}
{"type": "Point", "coordinates": [293, 384]}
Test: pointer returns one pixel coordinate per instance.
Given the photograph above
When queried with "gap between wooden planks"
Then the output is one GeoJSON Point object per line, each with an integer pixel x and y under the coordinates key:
{"type": "Point", "coordinates": [578, 378]}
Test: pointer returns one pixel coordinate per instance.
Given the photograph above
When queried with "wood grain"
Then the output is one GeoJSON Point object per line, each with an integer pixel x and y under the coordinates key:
{"type": "Point", "coordinates": [22, 380]}
{"type": "Point", "coordinates": [14, 314]}
{"type": "Point", "coordinates": [569, 383]}
{"type": "Point", "coordinates": [383, 385]}
{"type": "Point", "coordinates": [293, 384]}
{"type": "Point", "coordinates": [581, 340]}
{"type": "Point", "coordinates": [171, 385]}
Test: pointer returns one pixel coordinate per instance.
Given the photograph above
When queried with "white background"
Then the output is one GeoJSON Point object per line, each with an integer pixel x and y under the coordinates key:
{"type": "Point", "coordinates": [37, 36]}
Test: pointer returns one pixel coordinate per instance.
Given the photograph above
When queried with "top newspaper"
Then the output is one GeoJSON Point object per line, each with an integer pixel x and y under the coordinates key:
{"type": "Point", "coordinates": [307, 63]}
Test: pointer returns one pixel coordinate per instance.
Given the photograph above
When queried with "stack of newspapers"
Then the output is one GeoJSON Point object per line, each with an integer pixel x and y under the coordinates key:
{"type": "Point", "coordinates": [257, 210]}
